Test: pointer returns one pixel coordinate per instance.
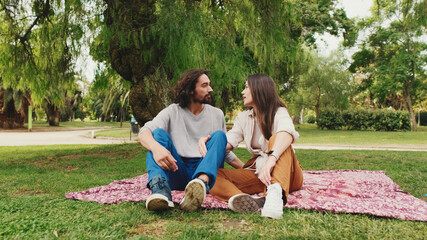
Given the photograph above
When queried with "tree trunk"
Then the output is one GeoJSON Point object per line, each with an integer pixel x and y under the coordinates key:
{"type": "Point", "coordinates": [317, 106]}
{"type": "Point", "coordinates": [407, 95]}
{"type": "Point", "coordinates": [10, 118]}
{"type": "Point", "coordinates": [150, 91]}
{"type": "Point", "coordinates": [53, 115]}
{"type": "Point", "coordinates": [411, 110]}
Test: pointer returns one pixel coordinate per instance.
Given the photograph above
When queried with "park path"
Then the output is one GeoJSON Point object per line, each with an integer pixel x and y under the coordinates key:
{"type": "Point", "coordinates": [83, 136]}
{"type": "Point", "coordinates": [76, 136]}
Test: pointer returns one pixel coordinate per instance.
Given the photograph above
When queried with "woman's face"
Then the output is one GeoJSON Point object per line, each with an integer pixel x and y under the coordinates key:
{"type": "Point", "coordinates": [247, 96]}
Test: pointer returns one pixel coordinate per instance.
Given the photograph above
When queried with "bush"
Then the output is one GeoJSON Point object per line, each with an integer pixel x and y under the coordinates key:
{"type": "Point", "coordinates": [357, 119]}
{"type": "Point", "coordinates": [388, 120]}
{"type": "Point", "coordinates": [330, 119]}
{"type": "Point", "coordinates": [360, 119]}
{"type": "Point", "coordinates": [423, 118]}
{"type": "Point", "coordinates": [80, 114]}
{"type": "Point", "coordinates": [311, 119]}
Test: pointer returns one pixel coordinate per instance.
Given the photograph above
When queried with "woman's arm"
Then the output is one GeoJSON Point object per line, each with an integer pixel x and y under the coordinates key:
{"type": "Point", "coordinates": [282, 142]}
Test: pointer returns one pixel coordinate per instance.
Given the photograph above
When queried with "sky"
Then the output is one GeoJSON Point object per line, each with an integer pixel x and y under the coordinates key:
{"type": "Point", "coordinates": [326, 43]}
{"type": "Point", "coordinates": [354, 9]}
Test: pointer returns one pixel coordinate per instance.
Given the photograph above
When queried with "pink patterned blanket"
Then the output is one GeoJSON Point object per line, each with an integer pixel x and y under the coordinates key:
{"type": "Point", "coordinates": [338, 191]}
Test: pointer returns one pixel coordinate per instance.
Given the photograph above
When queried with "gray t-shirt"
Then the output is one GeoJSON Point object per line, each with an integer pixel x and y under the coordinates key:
{"type": "Point", "coordinates": [186, 129]}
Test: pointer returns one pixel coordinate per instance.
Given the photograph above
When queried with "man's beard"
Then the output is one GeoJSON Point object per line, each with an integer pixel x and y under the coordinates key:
{"type": "Point", "coordinates": [206, 100]}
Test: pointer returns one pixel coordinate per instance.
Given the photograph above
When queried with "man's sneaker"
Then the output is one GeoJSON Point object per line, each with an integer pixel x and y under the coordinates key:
{"type": "Point", "coordinates": [245, 203]}
{"type": "Point", "coordinates": [273, 207]}
{"type": "Point", "coordinates": [158, 202]}
{"type": "Point", "coordinates": [161, 194]}
{"type": "Point", "coordinates": [195, 193]}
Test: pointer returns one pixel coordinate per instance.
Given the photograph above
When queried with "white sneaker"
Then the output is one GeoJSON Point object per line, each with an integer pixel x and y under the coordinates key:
{"type": "Point", "coordinates": [245, 203]}
{"type": "Point", "coordinates": [158, 202]}
{"type": "Point", "coordinates": [195, 194]}
{"type": "Point", "coordinates": [273, 207]}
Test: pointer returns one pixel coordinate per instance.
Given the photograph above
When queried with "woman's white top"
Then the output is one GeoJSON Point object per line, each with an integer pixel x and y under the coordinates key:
{"type": "Point", "coordinates": [245, 128]}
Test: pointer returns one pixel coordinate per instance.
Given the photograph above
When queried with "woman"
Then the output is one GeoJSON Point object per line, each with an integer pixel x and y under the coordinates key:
{"type": "Point", "coordinates": [268, 132]}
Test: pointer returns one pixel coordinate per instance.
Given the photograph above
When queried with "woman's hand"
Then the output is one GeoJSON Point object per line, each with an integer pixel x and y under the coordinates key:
{"type": "Point", "coordinates": [265, 173]}
{"type": "Point", "coordinates": [202, 145]}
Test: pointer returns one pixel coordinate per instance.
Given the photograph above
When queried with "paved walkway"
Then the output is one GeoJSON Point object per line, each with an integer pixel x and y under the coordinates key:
{"type": "Point", "coordinates": [14, 138]}
{"type": "Point", "coordinates": [83, 136]}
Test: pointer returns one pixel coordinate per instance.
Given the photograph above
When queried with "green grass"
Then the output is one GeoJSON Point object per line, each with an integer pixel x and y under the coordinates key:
{"type": "Point", "coordinates": [33, 181]}
{"type": "Point", "coordinates": [310, 135]}
{"type": "Point", "coordinates": [116, 133]}
{"type": "Point", "coordinates": [78, 124]}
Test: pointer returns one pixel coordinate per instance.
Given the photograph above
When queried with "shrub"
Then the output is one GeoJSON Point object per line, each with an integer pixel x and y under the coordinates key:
{"type": "Point", "coordinates": [357, 119]}
{"type": "Point", "coordinates": [360, 119]}
{"type": "Point", "coordinates": [80, 114]}
{"type": "Point", "coordinates": [423, 118]}
{"type": "Point", "coordinates": [330, 119]}
{"type": "Point", "coordinates": [389, 120]}
{"type": "Point", "coordinates": [311, 119]}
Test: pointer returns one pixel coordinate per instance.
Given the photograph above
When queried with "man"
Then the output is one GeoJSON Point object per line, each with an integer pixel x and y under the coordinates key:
{"type": "Point", "coordinates": [173, 160]}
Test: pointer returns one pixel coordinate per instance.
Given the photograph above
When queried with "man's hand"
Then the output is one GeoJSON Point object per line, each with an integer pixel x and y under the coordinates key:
{"type": "Point", "coordinates": [265, 173]}
{"type": "Point", "coordinates": [164, 158]}
{"type": "Point", "coordinates": [202, 145]}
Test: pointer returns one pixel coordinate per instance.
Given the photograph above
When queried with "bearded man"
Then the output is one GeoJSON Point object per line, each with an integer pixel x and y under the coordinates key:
{"type": "Point", "coordinates": [172, 137]}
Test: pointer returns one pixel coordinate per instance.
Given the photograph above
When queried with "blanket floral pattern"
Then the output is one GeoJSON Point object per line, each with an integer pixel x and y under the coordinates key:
{"type": "Point", "coordinates": [338, 191]}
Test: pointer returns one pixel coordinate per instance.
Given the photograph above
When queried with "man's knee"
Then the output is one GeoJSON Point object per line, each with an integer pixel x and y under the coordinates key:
{"type": "Point", "coordinates": [159, 132]}
{"type": "Point", "coordinates": [219, 135]}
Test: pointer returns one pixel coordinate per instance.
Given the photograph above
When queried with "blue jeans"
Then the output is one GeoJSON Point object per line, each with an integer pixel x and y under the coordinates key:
{"type": "Point", "coordinates": [188, 168]}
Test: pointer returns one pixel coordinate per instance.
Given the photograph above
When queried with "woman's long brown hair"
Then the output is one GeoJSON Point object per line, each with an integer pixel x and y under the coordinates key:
{"type": "Point", "coordinates": [266, 101]}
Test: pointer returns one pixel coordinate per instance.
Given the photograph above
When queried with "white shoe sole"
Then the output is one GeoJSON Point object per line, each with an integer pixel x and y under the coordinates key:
{"type": "Point", "coordinates": [243, 203]}
{"type": "Point", "coordinates": [272, 213]}
{"type": "Point", "coordinates": [158, 202]}
{"type": "Point", "coordinates": [195, 194]}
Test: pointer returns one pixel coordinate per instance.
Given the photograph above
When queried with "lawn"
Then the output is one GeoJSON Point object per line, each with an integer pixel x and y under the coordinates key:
{"type": "Point", "coordinates": [33, 181]}
{"type": "Point", "coordinates": [310, 135]}
{"type": "Point", "coordinates": [78, 124]}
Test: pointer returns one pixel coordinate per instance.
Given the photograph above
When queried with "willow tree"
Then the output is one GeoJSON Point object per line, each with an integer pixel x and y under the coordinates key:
{"type": "Point", "coordinates": [39, 43]}
{"type": "Point", "coordinates": [151, 43]}
{"type": "Point", "coordinates": [393, 59]}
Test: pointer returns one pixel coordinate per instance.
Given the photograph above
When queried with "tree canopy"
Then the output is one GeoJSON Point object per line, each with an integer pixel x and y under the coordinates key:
{"type": "Point", "coordinates": [40, 42]}
{"type": "Point", "coordinates": [393, 59]}
{"type": "Point", "coordinates": [153, 42]}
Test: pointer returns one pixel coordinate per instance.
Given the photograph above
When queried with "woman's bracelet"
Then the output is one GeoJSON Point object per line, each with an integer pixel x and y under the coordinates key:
{"type": "Point", "coordinates": [272, 153]}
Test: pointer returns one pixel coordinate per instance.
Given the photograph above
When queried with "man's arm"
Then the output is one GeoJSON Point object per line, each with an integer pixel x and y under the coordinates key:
{"type": "Point", "coordinates": [160, 154]}
{"type": "Point", "coordinates": [236, 163]}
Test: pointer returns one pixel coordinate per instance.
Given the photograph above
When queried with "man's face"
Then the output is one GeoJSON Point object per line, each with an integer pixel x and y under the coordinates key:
{"type": "Point", "coordinates": [202, 91]}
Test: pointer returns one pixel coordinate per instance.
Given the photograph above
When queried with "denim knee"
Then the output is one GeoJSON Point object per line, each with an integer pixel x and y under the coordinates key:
{"type": "Point", "coordinates": [220, 135]}
{"type": "Point", "coordinates": [159, 132]}
{"type": "Point", "coordinates": [162, 137]}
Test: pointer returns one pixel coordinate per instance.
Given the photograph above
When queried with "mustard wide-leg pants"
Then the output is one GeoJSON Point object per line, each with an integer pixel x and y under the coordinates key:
{"type": "Point", "coordinates": [287, 172]}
